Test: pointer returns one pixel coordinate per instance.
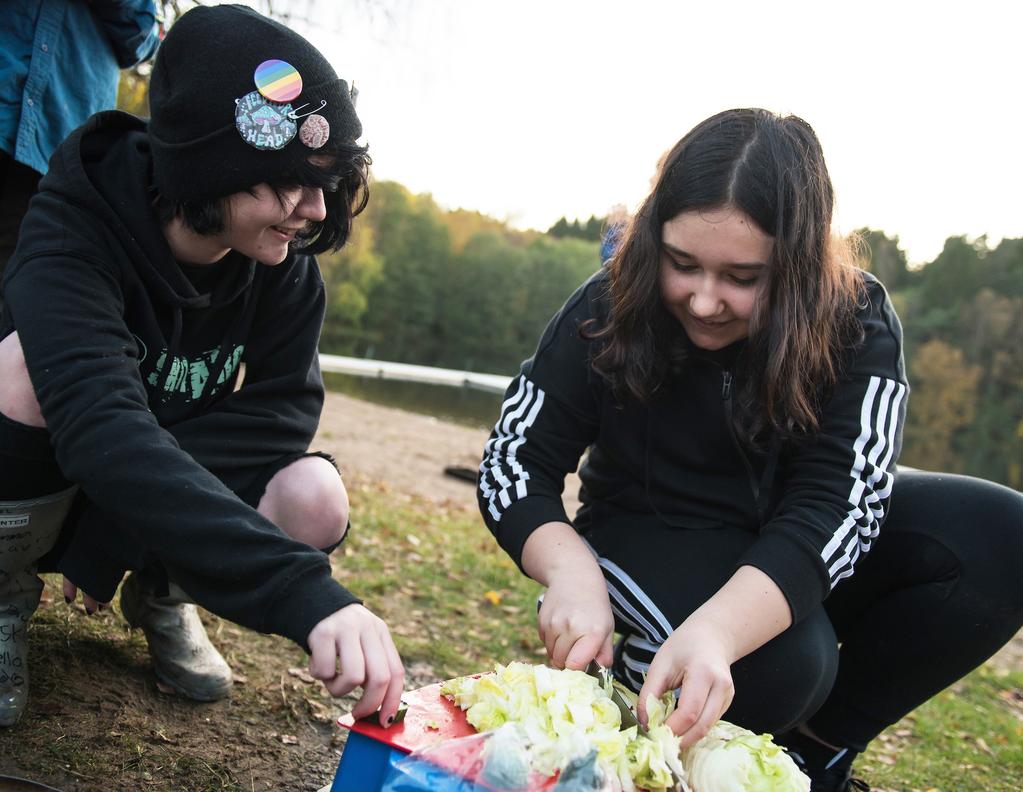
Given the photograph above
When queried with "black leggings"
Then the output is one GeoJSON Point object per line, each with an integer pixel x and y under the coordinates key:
{"type": "Point", "coordinates": [940, 592]}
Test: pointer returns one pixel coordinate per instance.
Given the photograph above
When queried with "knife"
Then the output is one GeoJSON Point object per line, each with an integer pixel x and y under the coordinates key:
{"type": "Point", "coordinates": [603, 675]}
{"type": "Point", "coordinates": [629, 719]}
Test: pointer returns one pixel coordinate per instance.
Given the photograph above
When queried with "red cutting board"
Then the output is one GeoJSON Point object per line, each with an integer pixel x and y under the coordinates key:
{"type": "Point", "coordinates": [430, 719]}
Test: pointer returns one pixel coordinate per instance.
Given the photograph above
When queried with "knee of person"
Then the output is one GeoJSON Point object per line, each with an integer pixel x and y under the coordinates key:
{"type": "Point", "coordinates": [308, 501]}
{"type": "Point", "coordinates": [788, 679]}
{"type": "Point", "coordinates": [333, 515]}
{"type": "Point", "coordinates": [17, 396]}
{"type": "Point", "coordinates": [978, 524]}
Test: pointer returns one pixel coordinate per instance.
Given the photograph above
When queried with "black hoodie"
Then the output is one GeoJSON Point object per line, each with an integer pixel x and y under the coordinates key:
{"type": "Point", "coordinates": [135, 371]}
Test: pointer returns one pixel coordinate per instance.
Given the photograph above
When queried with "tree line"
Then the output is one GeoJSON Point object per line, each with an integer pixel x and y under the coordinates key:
{"type": "Point", "coordinates": [458, 289]}
{"type": "Point", "coordinates": [962, 318]}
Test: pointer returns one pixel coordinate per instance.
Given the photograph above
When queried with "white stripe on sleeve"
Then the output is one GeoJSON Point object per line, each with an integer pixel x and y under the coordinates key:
{"type": "Point", "coordinates": [503, 480]}
{"type": "Point", "coordinates": [872, 483]}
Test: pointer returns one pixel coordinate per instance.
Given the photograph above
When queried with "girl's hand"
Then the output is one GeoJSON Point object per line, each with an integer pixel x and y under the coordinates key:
{"type": "Point", "coordinates": [353, 648]}
{"type": "Point", "coordinates": [575, 621]}
{"type": "Point", "coordinates": [697, 658]}
{"type": "Point", "coordinates": [744, 614]}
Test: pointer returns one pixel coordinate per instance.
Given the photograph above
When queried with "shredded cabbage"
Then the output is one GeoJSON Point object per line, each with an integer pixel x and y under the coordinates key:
{"type": "Point", "coordinates": [564, 715]}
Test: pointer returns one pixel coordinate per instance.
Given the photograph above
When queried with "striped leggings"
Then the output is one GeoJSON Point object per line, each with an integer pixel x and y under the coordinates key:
{"type": "Point", "coordinates": [940, 592]}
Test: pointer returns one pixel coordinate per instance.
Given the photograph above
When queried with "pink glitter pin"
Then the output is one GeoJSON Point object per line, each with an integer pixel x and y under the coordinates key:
{"type": "Point", "coordinates": [315, 131]}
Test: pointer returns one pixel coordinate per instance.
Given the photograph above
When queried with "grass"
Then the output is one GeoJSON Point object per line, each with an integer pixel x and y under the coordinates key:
{"type": "Point", "coordinates": [970, 737]}
{"type": "Point", "coordinates": [456, 605]}
{"type": "Point", "coordinates": [453, 600]}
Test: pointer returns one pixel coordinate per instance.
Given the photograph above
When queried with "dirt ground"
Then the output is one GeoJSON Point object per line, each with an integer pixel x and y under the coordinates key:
{"type": "Point", "coordinates": [97, 721]}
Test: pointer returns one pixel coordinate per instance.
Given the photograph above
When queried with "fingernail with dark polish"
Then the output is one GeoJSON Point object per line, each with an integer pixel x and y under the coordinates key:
{"type": "Point", "coordinates": [390, 719]}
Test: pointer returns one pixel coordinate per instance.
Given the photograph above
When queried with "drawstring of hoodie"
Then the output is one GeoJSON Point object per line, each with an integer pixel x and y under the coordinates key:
{"type": "Point", "coordinates": [172, 349]}
{"type": "Point", "coordinates": [223, 352]}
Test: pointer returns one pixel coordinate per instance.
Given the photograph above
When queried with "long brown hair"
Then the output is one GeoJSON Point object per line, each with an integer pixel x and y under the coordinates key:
{"type": "Point", "coordinates": [772, 168]}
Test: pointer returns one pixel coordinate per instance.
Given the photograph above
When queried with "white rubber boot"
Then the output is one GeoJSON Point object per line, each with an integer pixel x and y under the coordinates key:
{"type": "Point", "coordinates": [28, 529]}
{"type": "Point", "coordinates": [183, 656]}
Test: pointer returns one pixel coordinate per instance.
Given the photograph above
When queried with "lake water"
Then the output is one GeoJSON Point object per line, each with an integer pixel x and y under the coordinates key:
{"type": "Point", "coordinates": [459, 405]}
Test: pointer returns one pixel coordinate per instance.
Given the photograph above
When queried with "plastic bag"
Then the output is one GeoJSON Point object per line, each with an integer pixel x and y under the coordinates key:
{"type": "Point", "coordinates": [495, 761]}
{"type": "Point", "coordinates": [415, 774]}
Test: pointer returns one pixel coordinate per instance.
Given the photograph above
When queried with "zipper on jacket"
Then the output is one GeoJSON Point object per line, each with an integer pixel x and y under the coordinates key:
{"type": "Point", "coordinates": [726, 397]}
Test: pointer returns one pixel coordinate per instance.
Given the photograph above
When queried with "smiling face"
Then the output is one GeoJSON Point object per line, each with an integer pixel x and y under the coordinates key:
{"type": "Point", "coordinates": [261, 224]}
{"type": "Point", "coordinates": [711, 270]}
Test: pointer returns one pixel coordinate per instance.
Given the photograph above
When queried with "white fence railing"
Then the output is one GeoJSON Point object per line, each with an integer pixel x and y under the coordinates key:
{"type": "Point", "coordinates": [383, 369]}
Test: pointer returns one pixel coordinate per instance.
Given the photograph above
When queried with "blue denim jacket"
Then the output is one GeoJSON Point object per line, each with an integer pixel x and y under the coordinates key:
{"type": "Point", "coordinates": [59, 64]}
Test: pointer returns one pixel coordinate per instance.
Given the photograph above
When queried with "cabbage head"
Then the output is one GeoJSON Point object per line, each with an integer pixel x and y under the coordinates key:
{"type": "Point", "coordinates": [732, 759]}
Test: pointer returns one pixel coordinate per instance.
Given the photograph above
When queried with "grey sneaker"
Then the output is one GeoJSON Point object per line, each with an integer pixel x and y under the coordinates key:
{"type": "Point", "coordinates": [183, 656]}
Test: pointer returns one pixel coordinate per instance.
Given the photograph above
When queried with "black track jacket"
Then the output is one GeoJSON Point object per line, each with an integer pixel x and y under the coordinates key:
{"type": "Point", "coordinates": [817, 507]}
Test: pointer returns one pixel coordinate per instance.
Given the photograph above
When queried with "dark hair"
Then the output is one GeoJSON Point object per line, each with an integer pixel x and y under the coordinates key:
{"type": "Point", "coordinates": [772, 168]}
{"type": "Point", "coordinates": [345, 185]}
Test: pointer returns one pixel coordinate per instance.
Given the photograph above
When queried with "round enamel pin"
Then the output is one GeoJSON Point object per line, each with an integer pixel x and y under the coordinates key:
{"type": "Point", "coordinates": [278, 80]}
{"type": "Point", "coordinates": [264, 124]}
{"type": "Point", "coordinates": [315, 131]}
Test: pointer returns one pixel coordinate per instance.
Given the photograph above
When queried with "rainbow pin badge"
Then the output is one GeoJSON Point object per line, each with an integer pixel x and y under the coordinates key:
{"type": "Point", "coordinates": [278, 80]}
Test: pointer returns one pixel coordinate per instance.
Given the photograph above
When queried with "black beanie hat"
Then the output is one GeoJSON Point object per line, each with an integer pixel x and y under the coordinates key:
{"type": "Point", "coordinates": [218, 127]}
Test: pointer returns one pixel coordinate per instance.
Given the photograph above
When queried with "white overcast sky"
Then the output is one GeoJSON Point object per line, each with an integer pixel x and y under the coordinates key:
{"type": "Point", "coordinates": [530, 110]}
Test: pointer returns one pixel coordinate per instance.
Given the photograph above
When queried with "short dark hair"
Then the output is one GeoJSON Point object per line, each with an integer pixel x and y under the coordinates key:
{"type": "Point", "coordinates": [770, 167]}
{"type": "Point", "coordinates": [345, 185]}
